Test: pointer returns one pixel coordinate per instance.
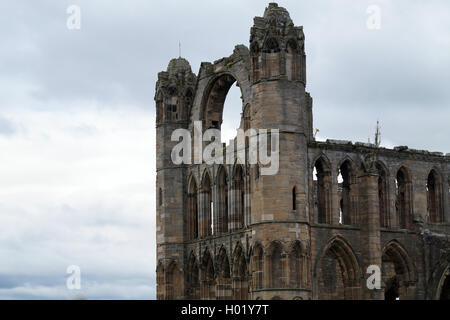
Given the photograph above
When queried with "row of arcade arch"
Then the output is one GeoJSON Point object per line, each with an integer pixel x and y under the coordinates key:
{"type": "Point", "coordinates": [337, 273]}
{"type": "Point", "coordinates": [218, 206]}
{"type": "Point", "coordinates": [401, 194]}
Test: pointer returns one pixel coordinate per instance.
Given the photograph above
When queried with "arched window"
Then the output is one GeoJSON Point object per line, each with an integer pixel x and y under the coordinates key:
{"type": "Point", "coordinates": [397, 271]}
{"type": "Point", "coordinates": [383, 194]}
{"type": "Point", "coordinates": [192, 217]}
{"type": "Point", "coordinates": [206, 219]}
{"type": "Point", "coordinates": [188, 100]}
{"type": "Point", "coordinates": [271, 63]}
{"type": "Point", "coordinates": [276, 266]}
{"type": "Point", "coordinates": [321, 187]}
{"type": "Point", "coordinates": [296, 266]}
{"type": "Point", "coordinates": [207, 278]}
{"type": "Point", "coordinates": [171, 107]}
{"type": "Point", "coordinates": [292, 60]}
{"type": "Point", "coordinates": [160, 197]}
{"type": "Point", "coordinates": [271, 46]}
{"type": "Point", "coordinates": [434, 197]}
{"type": "Point", "coordinates": [254, 52]}
{"type": "Point", "coordinates": [346, 189]}
{"type": "Point", "coordinates": [174, 279]}
{"type": "Point", "coordinates": [403, 198]}
{"type": "Point", "coordinates": [258, 267]}
{"type": "Point", "coordinates": [339, 276]}
{"type": "Point", "coordinates": [223, 282]}
{"type": "Point", "coordinates": [222, 205]}
{"type": "Point", "coordinates": [192, 277]}
{"type": "Point", "coordinates": [240, 284]}
{"type": "Point", "coordinates": [239, 198]}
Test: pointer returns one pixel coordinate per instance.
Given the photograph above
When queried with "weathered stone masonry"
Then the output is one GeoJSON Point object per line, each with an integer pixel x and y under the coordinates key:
{"type": "Point", "coordinates": [311, 230]}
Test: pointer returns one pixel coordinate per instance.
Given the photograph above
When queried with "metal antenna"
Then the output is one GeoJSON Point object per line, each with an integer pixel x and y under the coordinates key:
{"type": "Point", "coordinates": [179, 48]}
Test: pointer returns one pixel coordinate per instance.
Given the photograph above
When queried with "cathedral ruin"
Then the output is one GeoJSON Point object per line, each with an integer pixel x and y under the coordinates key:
{"type": "Point", "coordinates": [312, 230]}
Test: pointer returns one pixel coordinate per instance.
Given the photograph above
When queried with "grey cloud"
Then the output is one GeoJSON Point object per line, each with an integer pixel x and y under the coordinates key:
{"type": "Point", "coordinates": [6, 127]}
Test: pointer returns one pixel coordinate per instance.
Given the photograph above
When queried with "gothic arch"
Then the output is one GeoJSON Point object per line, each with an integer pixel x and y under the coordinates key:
{"type": "Point", "coordinates": [240, 274]}
{"type": "Point", "coordinates": [434, 196]}
{"type": "Point", "coordinates": [292, 45]}
{"type": "Point", "coordinates": [322, 190]}
{"type": "Point", "coordinates": [192, 278]}
{"type": "Point", "coordinates": [337, 271]}
{"type": "Point", "coordinates": [192, 210]}
{"type": "Point", "coordinates": [403, 197]}
{"type": "Point", "coordinates": [188, 100]}
{"type": "Point", "coordinates": [174, 281]}
{"type": "Point", "coordinates": [323, 158]}
{"type": "Point", "coordinates": [205, 227]}
{"type": "Point", "coordinates": [223, 276]}
{"type": "Point", "coordinates": [383, 193]}
{"type": "Point", "coordinates": [298, 265]}
{"type": "Point", "coordinates": [214, 83]}
{"type": "Point", "coordinates": [238, 197]}
{"type": "Point", "coordinates": [214, 99]}
{"type": "Point", "coordinates": [348, 191]}
{"type": "Point", "coordinates": [293, 61]}
{"type": "Point", "coordinates": [207, 277]}
{"type": "Point", "coordinates": [276, 265]}
{"type": "Point", "coordinates": [271, 45]}
{"type": "Point", "coordinates": [397, 271]}
{"type": "Point", "coordinates": [257, 266]}
{"type": "Point", "coordinates": [347, 158]}
{"type": "Point", "coordinates": [222, 200]}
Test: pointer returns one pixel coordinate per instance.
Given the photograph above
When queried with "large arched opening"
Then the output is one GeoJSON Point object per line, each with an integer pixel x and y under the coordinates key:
{"type": "Point", "coordinates": [321, 177]}
{"type": "Point", "coordinates": [397, 272]}
{"type": "Point", "coordinates": [339, 275]}
{"type": "Point", "coordinates": [223, 106]}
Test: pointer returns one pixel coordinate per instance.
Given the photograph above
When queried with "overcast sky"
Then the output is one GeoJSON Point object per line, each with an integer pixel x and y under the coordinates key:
{"type": "Point", "coordinates": [77, 117]}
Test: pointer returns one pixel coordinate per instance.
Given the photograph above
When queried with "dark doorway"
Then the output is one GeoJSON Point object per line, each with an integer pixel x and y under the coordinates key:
{"type": "Point", "coordinates": [391, 290]}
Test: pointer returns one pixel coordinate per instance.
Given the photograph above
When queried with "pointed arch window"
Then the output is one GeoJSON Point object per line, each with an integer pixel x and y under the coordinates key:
{"type": "Point", "coordinates": [322, 189]}
{"type": "Point", "coordinates": [403, 200]}
{"type": "Point", "coordinates": [434, 197]}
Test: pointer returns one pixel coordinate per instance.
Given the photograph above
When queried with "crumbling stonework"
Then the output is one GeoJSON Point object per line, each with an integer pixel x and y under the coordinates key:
{"type": "Point", "coordinates": [228, 232]}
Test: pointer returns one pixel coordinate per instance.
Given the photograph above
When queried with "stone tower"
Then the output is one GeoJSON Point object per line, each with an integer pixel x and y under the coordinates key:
{"type": "Point", "coordinates": [279, 100]}
{"type": "Point", "coordinates": [309, 229]}
{"type": "Point", "coordinates": [174, 96]}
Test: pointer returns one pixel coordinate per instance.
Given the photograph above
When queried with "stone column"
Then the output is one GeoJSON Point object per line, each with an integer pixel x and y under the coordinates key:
{"type": "Point", "coordinates": [370, 231]}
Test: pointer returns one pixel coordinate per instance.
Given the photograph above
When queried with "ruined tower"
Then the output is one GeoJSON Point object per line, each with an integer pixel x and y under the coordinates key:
{"type": "Point", "coordinates": [311, 229]}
